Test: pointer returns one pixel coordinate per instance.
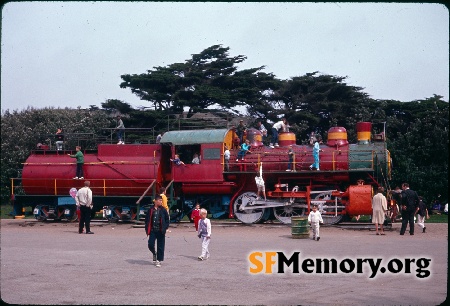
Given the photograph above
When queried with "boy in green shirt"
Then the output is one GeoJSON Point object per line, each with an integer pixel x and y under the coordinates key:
{"type": "Point", "coordinates": [80, 162]}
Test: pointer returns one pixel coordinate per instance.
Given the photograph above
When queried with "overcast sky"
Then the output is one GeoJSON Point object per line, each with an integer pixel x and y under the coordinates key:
{"type": "Point", "coordinates": [70, 54]}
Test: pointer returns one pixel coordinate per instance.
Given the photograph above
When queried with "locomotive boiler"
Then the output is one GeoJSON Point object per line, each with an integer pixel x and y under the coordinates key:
{"type": "Point", "coordinates": [124, 176]}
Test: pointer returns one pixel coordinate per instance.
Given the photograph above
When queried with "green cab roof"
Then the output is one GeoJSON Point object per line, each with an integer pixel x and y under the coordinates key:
{"type": "Point", "coordinates": [187, 137]}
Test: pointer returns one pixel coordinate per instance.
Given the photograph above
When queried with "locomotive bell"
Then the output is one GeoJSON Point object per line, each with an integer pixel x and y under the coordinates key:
{"type": "Point", "coordinates": [255, 137]}
{"type": "Point", "coordinates": [337, 137]}
{"type": "Point", "coordinates": [286, 138]}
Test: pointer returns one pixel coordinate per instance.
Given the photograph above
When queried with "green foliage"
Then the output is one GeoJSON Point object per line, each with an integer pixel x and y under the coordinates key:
{"type": "Point", "coordinates": [117, 105]}
{"type": "Point", "coordinates": [22, 131]}
{"type": "Point", "coordinates": [420, 148]}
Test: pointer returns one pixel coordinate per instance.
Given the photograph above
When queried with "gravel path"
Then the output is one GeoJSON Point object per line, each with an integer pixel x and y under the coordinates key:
{"type": "Point", "coordinates": [50, 263]}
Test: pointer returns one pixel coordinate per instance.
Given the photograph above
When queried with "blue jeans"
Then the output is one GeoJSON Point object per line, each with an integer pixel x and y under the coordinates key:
{"type": "Point", "coordinates": [120, 134]}
{"type": "Point", "coordinates": [80, 170]}
{"type": "Point", "coordinates": [241, 154]}
{"type": "Point", "coordinates": [274, 135]}
{"type": "Point", "coordinates": [291, 160]}
{"type": "Point", "coordinates": [240, 134]}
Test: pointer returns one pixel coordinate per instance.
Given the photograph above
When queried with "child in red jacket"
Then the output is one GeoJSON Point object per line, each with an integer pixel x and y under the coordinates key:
{"type": "Point", "coordinates": [195, 215]}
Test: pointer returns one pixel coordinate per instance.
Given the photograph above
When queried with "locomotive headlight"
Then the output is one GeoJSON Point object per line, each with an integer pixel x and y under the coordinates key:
{"type": "Point", "coordinates": [108, 212]}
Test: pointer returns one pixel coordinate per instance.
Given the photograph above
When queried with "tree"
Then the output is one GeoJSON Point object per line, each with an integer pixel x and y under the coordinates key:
{"type": "Point", "coordinates": [208, 78]}
{"type": "Point", "coordinates": [117, 105]}
{"type": "Point", "coordinates": [316, 102]}
{"type": "Point", "coordinates": [420, 148]}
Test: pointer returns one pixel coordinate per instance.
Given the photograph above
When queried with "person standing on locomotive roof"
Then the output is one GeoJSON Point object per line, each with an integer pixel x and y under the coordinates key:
{"type": "Point", "coordinates": [262, 129]}
{"type": "Point", "coordinates": [291, 158]}
{"type": "Point", "coordinates": [156, 225]}
{"type": "Point", "coordinates": [316, 151]}
{"type": "Point", "coordinates": [226, 157]}
{"type": "Point", "coordinates": [59, 139]}
{"type": "Point", "coordinates": [312, 138]}
{"type": "Point", "coordinates": [80, 162]}
{"type": "Point", "coordinates": [83, 200]}
{"type": "Point", "coordinates": [410, 206]}
{"type": "Point", "coordinates": [280, 125]}
{"type": "Point", "coordinates": [120, 128]}
{"type": "Point", "coordinates": [260, 184]}
{"type": "Point", "coordinates": [240, 129]}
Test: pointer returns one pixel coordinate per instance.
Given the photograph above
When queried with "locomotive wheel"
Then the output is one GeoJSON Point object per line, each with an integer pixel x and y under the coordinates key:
{"type": "Point", "coordinates": [41, 216]}
{"type": "Point", "coordinates": [247, 216]}
{"type": "Point", "coordinates": [73, 217]}
{"type": "Point", "coordinates": [284, 213]}
{"type": "Point", "coordinates": [328, 219]}
{"type": "Point", "coordinates": [331, 219]}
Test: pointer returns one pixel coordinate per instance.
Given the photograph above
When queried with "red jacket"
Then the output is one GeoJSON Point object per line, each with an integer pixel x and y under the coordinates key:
{"type": "Point", "coordinates": [195, 214]}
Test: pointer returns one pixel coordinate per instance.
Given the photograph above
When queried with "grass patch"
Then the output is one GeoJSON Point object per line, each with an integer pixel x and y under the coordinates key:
{"type": "Point", "coordinates": [6, 212]}
{"type": "Point", "coordinates": [434, 218]}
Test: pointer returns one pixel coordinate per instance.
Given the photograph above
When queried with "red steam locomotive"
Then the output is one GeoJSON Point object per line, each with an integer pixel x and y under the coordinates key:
{"type": "Point", "coordinates": [121, 176]}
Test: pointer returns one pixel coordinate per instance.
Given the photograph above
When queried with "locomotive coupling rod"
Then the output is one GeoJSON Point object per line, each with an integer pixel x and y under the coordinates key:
{"type": "Point", "coordinates": [257, 204]}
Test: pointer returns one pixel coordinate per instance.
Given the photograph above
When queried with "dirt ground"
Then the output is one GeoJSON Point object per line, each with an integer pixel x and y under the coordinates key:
{"type": "Point", "coordinates": [50, 263]}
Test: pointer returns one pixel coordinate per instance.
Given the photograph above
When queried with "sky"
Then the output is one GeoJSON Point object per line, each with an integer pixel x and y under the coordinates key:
{"type": "Point", "coordinates": [72, 54]}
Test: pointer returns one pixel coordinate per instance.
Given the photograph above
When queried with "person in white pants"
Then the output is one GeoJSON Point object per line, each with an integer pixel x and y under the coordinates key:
{"type": "Point", "coordinates": [422, 213]}
{"type": "Point", "coordinates": [314, 219]}
{"type": "Point", "coordinates": [204, 232]}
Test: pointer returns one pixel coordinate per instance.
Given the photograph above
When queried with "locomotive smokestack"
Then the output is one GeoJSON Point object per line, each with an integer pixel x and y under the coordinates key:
{"type": "Point", "coordinates": [363, 130]}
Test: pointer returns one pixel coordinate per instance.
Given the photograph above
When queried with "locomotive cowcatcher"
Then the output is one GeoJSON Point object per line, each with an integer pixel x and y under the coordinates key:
{"type": "Point", "coordinates": [123, 176]}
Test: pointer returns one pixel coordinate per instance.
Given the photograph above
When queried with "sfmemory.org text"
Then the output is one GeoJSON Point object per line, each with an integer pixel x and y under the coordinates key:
{"type": "Point", "coordinates": [276, 262]}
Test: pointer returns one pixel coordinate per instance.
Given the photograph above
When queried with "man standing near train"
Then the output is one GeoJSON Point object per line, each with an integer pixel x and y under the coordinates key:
{"type": "Point", "coordinates": [410, 206]}
{"type": "Point", "coordinates": [83, 200]}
